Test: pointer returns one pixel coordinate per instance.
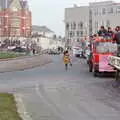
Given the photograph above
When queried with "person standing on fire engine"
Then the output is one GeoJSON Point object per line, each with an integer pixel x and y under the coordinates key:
{"type": "Point", "coordinates": [110, 32]}
{"type": "Point", "coordinates": [102, 32]}
{"type": "Point", "coordinates": [117, 38]}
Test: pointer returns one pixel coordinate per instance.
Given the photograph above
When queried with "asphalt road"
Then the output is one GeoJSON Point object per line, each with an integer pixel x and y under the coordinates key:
{"type": "Point", "coordinates": [51, 93]}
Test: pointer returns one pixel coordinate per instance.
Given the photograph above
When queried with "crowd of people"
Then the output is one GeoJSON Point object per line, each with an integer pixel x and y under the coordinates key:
{"type": "Point", "coordinates": [109, 32]}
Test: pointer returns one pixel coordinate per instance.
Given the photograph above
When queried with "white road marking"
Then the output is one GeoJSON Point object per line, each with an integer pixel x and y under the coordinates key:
{"type": "Point", "coordinates": [80, 61]}
{"type": "Point", "coordinates": [47, 103]}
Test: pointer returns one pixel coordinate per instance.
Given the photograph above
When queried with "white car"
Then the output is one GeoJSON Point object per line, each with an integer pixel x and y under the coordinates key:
{"type": "Point", "coordinates": [77, 52]}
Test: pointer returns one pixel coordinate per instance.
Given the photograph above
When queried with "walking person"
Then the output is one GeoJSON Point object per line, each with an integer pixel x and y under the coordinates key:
{"type": "Point", "coordinates": [33, 51]}
{"type": "Point", "coordinates": [66, 59]}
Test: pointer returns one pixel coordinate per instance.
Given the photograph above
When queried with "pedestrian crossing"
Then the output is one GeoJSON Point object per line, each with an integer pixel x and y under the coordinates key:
{"type": "Point", "coordinates": [80, 61]}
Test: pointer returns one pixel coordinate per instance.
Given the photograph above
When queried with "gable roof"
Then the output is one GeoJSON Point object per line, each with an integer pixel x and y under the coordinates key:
{"type": "Point", "coordinates": [41, 29]}
{"type": "Point", "coordinates": [15, 3]}
{"type": "Point", "coordinates": [23, 4]}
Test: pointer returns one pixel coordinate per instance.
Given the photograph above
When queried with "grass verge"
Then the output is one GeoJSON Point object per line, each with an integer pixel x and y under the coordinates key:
{"type": "Point", "coordinates": [5, 55]}
{"type": "Point", "coordinates": [8, 110]}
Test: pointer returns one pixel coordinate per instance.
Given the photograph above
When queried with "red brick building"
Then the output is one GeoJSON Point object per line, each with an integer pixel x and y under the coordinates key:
{"type": "Point", "coordinates": [15, 20]}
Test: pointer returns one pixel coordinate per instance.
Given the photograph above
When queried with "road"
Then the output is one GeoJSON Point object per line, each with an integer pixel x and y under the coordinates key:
{"type": "Point", "coordinates": [51, 93]}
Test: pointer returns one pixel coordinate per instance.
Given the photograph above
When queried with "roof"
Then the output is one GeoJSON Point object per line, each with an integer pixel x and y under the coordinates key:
{"type": "Point", "coordinates": [23, 4]}
{"type": "Point", "coordinates": [41, 29]}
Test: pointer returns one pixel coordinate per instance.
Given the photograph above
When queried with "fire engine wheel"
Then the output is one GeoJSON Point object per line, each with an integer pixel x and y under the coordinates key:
{"type": "Point", "coordinates": [95, 73]}
{"type": "Point", "coordinates": [90, 68]}
{"type": "Point", "coordinates": [116, 84]}
{"type": "Point", "coordinates": [117, 77]}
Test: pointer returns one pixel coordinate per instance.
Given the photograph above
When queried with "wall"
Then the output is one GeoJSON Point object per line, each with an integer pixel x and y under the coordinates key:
{"type": "Point", "coordinates": [15, 23]}
{"type": "Point", "coordinates": [76, 15]}
{"type": "Point", "coordinates": [98, 18]}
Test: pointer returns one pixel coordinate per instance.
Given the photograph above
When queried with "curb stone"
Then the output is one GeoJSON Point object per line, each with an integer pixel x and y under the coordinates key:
{"type": "Point", "coordinates": [21, 108]}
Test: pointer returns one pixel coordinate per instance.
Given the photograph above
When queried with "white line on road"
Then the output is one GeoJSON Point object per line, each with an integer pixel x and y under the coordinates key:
{"type": "Point", "coordinates": [80, 61]}
{"type": "Point", "coordinates": [47, 103]}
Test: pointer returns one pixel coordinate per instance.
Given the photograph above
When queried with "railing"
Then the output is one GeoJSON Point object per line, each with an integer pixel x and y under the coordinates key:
{"type": "Point", "coordinates": [115, 62]}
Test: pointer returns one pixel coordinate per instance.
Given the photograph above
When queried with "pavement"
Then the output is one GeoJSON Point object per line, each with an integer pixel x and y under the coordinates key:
{"type": "Point", "coordinates": [51, 93]}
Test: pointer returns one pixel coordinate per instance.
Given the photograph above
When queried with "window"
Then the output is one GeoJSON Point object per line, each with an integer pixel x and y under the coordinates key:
{"type": "Point", "coordinates": [110, 10]}
{"type": "Point", "coordinates": [103, 11]}
{"type": "Point", "coordinates": [80, 25]}
{"type": "Point", "coordinates": [90, 12]}
{"type": "Point", "coordinates": [106, 47]}
{"type": "Point", "coordinates": [71, 26]}
{"type": "Point", "coordinates": [1, 20]}
{"type": "Point", "coordinates": [96, 11]}
{"type": "Point", "coordinates": [81, 33]}
{"type": "Point", "coordinates": [78, 33]}
{"type": "Point", "coordinates": [73, 34]}
{"type": "Point", "coordinates": [108, 23]}
{"type": "Point", "coordinates": [74, 25]}
{"type": "Point", "coordinates": [78, 40]}
{"type": "Point", "coordinates": [118, 9]}
{"type": "Point", "coordinates": [67, 26]}
{"type": "Point", "coordinates": [70, 34]}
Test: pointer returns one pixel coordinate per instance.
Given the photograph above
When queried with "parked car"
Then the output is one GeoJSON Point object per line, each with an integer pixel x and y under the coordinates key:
{"type": "Point", "coordinates": [77, 52]}
{"type": "Point", "coordinates": [19, 49]}
{"type": "Point", "coordinates": [53, 52]}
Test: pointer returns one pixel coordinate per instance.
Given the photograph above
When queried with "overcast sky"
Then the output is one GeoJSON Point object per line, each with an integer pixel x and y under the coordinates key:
{"type": "Point", "coordinates": [51, 12]}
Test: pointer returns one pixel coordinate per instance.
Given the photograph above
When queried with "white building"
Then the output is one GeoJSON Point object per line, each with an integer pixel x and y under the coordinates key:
{"type": "Point", "coordinates": [104, 13]}
{"type": "Point", "coordinates": [86, 20]}
{"type": "Point", "coordinates": [76, 23]}
{"type": "Point", "coordinates": [47, 43]}
{"type": "Point", "coordinates": [42, 30]}
{"type": "Point", "coordinates": [43, 37]}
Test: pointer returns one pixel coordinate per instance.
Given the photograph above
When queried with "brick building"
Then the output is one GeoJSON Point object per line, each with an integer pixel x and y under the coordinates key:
{"type": "Point", "coordinates": [15, 20]}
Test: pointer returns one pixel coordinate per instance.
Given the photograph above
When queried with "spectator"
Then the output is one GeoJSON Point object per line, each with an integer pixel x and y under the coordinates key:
{"type": "Point", "coordinates": [117, 35]}
{"type": "Point", "coordinates": [117, 38]}
{"type": "Point", "coordinates": [110, 32]}
{"type": "Point", "coordinates": [33, 51]}
{"type": "Point", "coordinates": [117, 29]}
{"type": "Point", "coordinates": [102, 32]}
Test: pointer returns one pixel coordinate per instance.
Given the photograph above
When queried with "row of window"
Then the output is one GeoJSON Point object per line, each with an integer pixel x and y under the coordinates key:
{"type": "Point", "coordinates": [77, 40]}
{"type": "Point", "coordinates": [73, 34]}
{"type": "Point", "coordinates": [74, 26]}
{"type": "Point", "coordinates": [104, 11]}
{"type": "Point", "coordinates": [105, 23]}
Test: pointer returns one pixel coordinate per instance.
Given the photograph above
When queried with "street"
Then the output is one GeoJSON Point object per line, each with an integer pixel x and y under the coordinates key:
{"type": "Point", "coordinates": [51, 93]}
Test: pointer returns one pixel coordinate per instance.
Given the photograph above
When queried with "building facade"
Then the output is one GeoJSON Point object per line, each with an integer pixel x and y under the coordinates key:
{"type": "Point", "coordinates": [42, 30]}
{"type": "Point", "coordinates": [3, 4]}
{"type": "Point", "coordinates": [76, 24]}
{"type": "Point", "coordinates": [104, 13]}
{"type": "Point", "coordinates": [15, 20]}
{"type": "Point", "coordinates": [86, 20]}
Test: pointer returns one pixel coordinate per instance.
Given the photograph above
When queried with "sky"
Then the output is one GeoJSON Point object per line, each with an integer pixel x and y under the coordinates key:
{"type": "Point", "coordinates": [51, 12]}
